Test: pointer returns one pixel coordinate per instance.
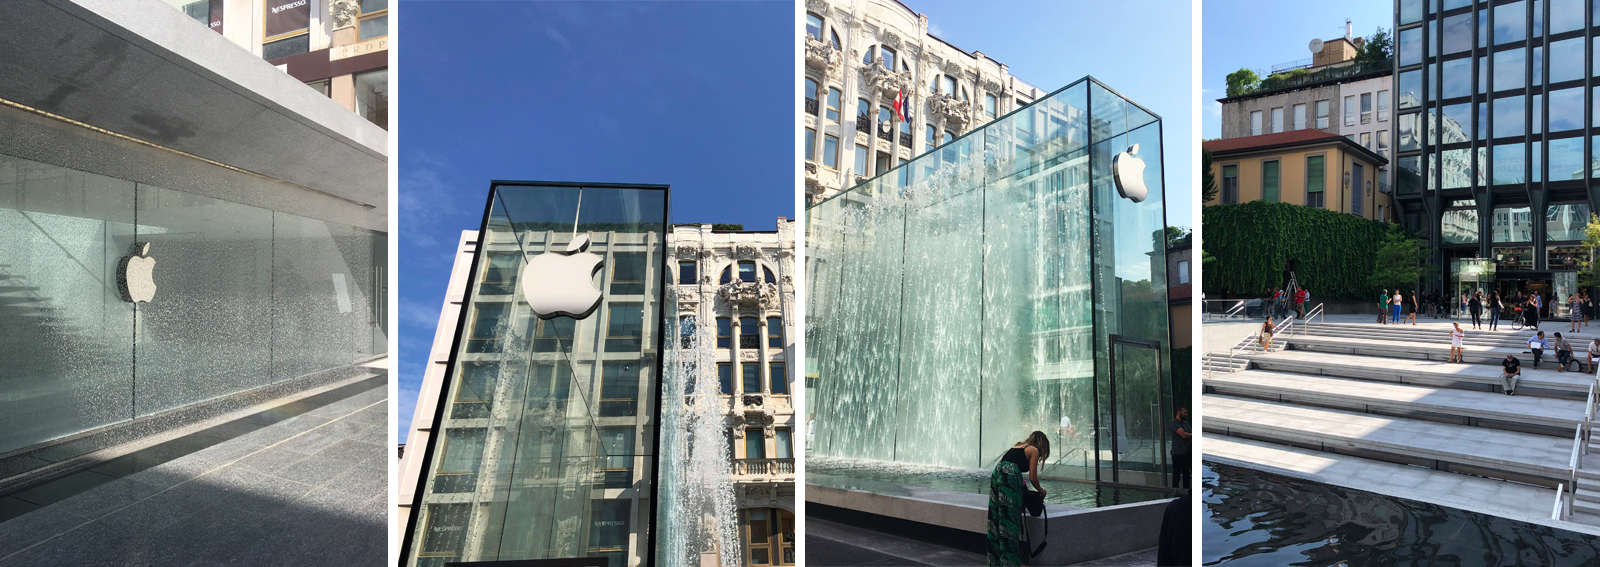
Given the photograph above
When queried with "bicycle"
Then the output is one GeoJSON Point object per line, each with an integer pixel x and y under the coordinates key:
{"type": "Point", "coordinates": [1516, 319]}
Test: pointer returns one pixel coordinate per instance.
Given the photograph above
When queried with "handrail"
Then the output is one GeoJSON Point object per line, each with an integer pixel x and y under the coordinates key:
{"type": "Point", "coordinates": [1232, 312]}
{"type": "Point", "coordinates": [1256, 338]}
{"type": "Point", "coordinates": [1555, 512]}
{"type": "Point", "coordinates": [1318, 311]}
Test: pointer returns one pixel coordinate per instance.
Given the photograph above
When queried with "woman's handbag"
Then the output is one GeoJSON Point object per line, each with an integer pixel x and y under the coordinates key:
{"type": "Point", "coordinates": [1033, 502]}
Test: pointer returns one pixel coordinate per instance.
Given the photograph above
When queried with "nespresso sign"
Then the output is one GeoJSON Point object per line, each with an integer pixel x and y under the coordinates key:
{"type": "Point", "coordinates": [287, 16]}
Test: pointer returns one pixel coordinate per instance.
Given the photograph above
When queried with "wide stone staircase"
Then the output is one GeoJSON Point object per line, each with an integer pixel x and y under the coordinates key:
{"type": "Point", "coordinates": [1377, 408]}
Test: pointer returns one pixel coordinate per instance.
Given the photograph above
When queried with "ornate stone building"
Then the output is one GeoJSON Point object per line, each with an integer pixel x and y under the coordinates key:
{"type": "Point", "coordinates": [863, 54]}
{"type": "Point", "coordinates": [741, 286]}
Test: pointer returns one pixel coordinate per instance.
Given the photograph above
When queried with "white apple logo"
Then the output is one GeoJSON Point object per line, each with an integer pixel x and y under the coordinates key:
{"type": "Point", "coordinates": [134, 274]}
{"type": "Point", "coordinates": [559, 284]}
{"type": "Point", "coordinates": [1128, 170]}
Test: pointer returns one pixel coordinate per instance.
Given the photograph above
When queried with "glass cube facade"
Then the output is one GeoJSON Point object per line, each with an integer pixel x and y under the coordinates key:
{"type": "Point", "coordinates": [1000, 286]}
{"type": "Point", "coordinates": [544, 440]}
{"type": "Point", "coordinates": [1499, 156]}
{"type": "Point", "coordinates": [245, 297]}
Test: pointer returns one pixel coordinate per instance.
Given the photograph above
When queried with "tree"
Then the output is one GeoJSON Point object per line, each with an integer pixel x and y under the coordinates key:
{"type": "Point", "coordinates": [1242, 82]}
{"type": "Point", "coordinates": [728, 227]}
{"type": "Point", "coordinates": [1208, 182]}
{"type": "Point", "coordinates": [1589, 272]}
{"type": "Point", "coordinates": [1396, 264]}
{"type": "Point", "coordinates": [1377, 48]}
{"type": "Point", "coordinates": [1178, 237]}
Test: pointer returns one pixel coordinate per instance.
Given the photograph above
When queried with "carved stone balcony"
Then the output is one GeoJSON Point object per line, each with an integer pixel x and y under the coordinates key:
{"type": "Point", "coordinates": [768, 467]}
{"type": "Point", "coordinates": [863, 124]}
{"type": "Point", "coordinates": [954, 111]}
{"type": "Point", "coordinates": [749, 294]}
{"type": "Point", "coordinates": [822, 56]}
{"type": "Point", "coordinates": [905, 139]}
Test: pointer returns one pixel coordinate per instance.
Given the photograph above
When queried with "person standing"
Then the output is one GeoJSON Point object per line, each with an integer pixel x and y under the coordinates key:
{"type": "Point", "coordinates": [1266, 336]}
{"type": "Point", "coordinates": [1494, 309]}
{"type": "Point", "coordinates": [1574, 311]}
{"type": "Point", "coordinates": [1456, 335]}
{"type": "Point", "coordinates": [1412, 318]}
{"type": "Point", "coordinates": [1006, 489]}
{"type": "Point", "coordinates": [1512, 372]}
{"type": "Point", "coordinates": [1179, 427]}
{"type": "Point", "coordinates": [1383, 307]}
{"type": "Point", "coordinates": [1300, 296]}
{"type": "Point", "coordinates": [1395, 303]}
{"type": "Point", "coordinates": [1536, 313]}
{"type": "Point", "coordinates": [1594, 357]}
{"type": "Point", "coordinates": [1475, 307]}
{"type": "Point", "coordinates": [1536, 345]}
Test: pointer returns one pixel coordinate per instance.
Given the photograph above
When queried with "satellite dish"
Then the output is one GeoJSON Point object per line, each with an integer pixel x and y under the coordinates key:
{"type": "Point", "coordinates": [1316, 46]}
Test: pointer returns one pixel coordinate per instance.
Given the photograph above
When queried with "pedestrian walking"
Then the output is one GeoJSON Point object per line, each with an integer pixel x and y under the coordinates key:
{"type": "Point", "coordinates": [1412, 318]}
{"type": "Point", "coordinates": [1300, 297]}
{"type": "Point", "coordinates": [1512, 371]}
{"type": "Point", "coordinates": [1266, 336]}
{"type": "Point", "coordinates": [1456, 335]}
{"type": "Point", "coordinates": [1494, 309]}
{"type": "Point", "coordinates": [1574, 311]}
{"type": "Point", "coordinates": [1475, 306]}
{"type": "Point", "coordinates": [1536, 345]}
{"type": "Point", "coordinates": [1461, 308]}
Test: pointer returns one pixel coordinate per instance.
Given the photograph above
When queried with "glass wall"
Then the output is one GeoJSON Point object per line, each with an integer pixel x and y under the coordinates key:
{"type": "Point", "coordinates": [546, 434]}
{"type": "Point", "coordinates": [244, 297]}
{"type": "Point", "coordinates": [952, 314]}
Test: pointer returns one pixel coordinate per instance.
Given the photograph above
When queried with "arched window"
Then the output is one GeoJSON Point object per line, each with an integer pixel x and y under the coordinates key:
{"type": "Point", "coordinates": [767, 272]}
{"type": "Point", "coordinates": [933, 85]}
{"type": "Point", "coordinates": [811, 90]}
{"type": "Point", "coordinates": [949, 85]}
{"type": "Point", "coordinates": [888, 58]}
{"type": "Point", "coordinates": [870, 52]}
{"type": "Point", "coordinates": [835, 36]}
{"type": "Point", "coordinates": [964, 93]}
{"type": "Point", "coordinates": [727, 275]}
{"type": "Point", "coordinates": [814, 25]}
{"type": "Point", "coordinates": [863, 109]}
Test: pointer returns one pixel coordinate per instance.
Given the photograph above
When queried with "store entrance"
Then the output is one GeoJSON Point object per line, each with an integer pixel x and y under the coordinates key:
{"type": "Point", "coordinates": [1512, 285]}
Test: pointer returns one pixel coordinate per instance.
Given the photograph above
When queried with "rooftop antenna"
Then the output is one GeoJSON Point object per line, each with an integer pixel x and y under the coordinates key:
{"type": "Point", "coordinates": [1349, 31]}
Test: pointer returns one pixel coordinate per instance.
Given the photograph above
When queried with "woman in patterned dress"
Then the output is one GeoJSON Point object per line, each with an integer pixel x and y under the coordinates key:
{"type": "Point", "coordinates": [1005, 497]}
{"type": "Point", "coordinates": [1575, 311]}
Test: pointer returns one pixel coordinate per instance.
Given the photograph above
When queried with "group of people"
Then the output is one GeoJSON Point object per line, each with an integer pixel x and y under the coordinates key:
{"type": "Point", "coordinates": [1477, 304]}
{"type": "Point", "coordinates": [1537, 344]}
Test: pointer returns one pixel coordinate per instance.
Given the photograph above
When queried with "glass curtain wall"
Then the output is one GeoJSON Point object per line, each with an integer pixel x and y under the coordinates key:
{"type": "Point", "coordinates": [244, 297]}
{"type": "Point", "coordinates": [955, 312]}
{"type": "Point", "coordinates": [546, 431]}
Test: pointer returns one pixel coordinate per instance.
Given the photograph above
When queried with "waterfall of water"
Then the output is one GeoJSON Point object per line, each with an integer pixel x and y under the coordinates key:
{"type": "Point", "coordinates": [698, 516]}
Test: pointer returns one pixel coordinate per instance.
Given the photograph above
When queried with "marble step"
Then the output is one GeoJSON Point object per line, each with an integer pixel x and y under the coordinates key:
{"type": "Point", "coordinates": [1483, 377]}
{"type": "Point", "coordinates": [1488, 449]}
{"type": "Point", "coordinates": [1438, 350]}
{"type": "Point", "coordinates": [1357, 395]}
{"type": "Point", "coordinates": [1466, 492]}
{"type": "Point", "coordinates": [1435, 332]}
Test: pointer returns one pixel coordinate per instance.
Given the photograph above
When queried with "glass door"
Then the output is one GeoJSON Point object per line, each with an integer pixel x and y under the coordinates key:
{"type": "Point", "coordinates": [1137, 404]}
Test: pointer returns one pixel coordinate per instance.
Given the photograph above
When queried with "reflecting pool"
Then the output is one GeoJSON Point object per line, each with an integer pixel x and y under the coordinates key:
{"type": "Point", "coordinates": [881, 477]}
{"type": "Point", "coordinates": [1254, 518]}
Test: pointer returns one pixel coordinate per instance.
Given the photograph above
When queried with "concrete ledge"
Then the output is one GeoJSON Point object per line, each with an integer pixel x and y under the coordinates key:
{"type": "Point", "coordinates": [1075, 534]}
{"type": "Point", "coordinates": [1348, 362]}
{"type": "Point", "coordinates": [1359, 395]}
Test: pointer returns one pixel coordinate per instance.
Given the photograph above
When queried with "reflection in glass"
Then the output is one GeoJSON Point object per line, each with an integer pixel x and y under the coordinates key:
{"type": "Point", "coordinates": [1410, 46]}
{"type": "Point", "coordinates": [1510, 68]}
{"type": "Point", "coordinates": [1508, 164]}
{"type": "Point", "coordinates": [1566, 222]}
{"type": "Point", "coordinates": [1512, 225]}
{"type": "Point", "coordinates": [1455, 169]}
{"type": "Point", "coordinates": [1510, 23]}
{"type": "Point", "coordinates": [1408, 131]}
{"type": "Point", "coordinates": [1457, 80]}
{"type": "Point", "coordinates": [1457, 33]}
{"type": "Point", "coordinates": [1459, 225]}
{"type": "Point", "coordinates": [1566, 15]}
{"type": "Point", "coordinates": [1566, 159]}
{"type": "Point", "coordinates": [1508, 113]}
{"type": "Point", "coordinates": [1410, 91]}
{"type": "Point", "coordinates": [1566, 109]}
{"type": "Point", "coordinates": [1566, 60]}
{"type": "Point", "coordinates": [1455, 123]}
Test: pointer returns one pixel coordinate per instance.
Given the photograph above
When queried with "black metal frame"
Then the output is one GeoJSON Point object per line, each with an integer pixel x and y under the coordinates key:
{"type": "Point", "coordinates": [408, 539]}
{"type": "Point", "coordinates": [1161, 385]}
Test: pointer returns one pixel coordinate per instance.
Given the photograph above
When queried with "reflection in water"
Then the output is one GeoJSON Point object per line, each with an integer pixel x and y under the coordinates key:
{"type": "Point", "coordinates": [882, 477]}
{"type": "Point", "coordinates": [1253, 518]}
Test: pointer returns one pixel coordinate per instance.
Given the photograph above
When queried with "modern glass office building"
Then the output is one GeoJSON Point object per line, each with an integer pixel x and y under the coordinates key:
{"type": "Point", "coordinates": [546, 430]}
{"type": "Point", "coordinates": [1495, 139]}
{"type": "Point", "coordinates": [1002, 284]}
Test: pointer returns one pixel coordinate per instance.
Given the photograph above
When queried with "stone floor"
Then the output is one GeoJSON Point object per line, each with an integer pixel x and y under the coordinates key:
{"type": "Point", "coordinates": [305, 486]}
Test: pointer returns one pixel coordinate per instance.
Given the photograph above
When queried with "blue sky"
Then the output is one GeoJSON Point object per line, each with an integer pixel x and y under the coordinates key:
{"type": "Point", "coordinates": [1141, 49]}
{"type": "Point", "coordinates": [1258, 34]}
{"type": "Point", "coordinates": [698, 95]}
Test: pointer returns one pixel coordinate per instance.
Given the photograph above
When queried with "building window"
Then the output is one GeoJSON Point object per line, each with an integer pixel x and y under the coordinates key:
{"type": "Point", "coordinates": [1383, 143]}
{"type": "Point", "coordinates": [625, 327]}
{"type": "Point", "coordinates": [1314, 181]}
{"type": "Point", "coordinates": [766, 275]}
{"type": "Point", "coordinates": [861, 161]}
{"type": "Point", "coordinates": [1255, 123]}
{"type": "Point", "coordinates": [990, 104]}
{"type": "Point", "coordinates": [323, 87]}
{"type": "Point", "coordinates": [473, 391]}
{"type": "Point", "coordinates": [1366, 108]}
{"type": "Point", "coordinates": [774, 332]}
{"type": "Point", "coordinates": [1366, 140]}
{"type": "Point", "coordinates": [609, 528]}
{"type": "Point", "coordinates": [619, 389]}
{"type": "Point", "coordinates": [949, 85]}
{"type": "Point", "coordinates": [749, 333]}
{"type": "Point", "coordinates": [1230, 184]}
{"type": "Point", "coordinates": [627, 273]}
{"type": "Point", "coordinates": [833, 105]}
{"type": "Point", "coordinates": [686, 330]}
{"type": "Point", "coordinates": [949, 136]}
{"type": "Point", "coordinates": [930, 138]}
{"type": "Point", "coordinates": [783, 444]}
{"type": "Point", "coordinates": [830, 151]}
{"type": "Point", "coordinates": [372, 97]}
{"type": "Point", "coordinates": [777, 379]}
{"type": "Point", "coordinates": [616, 456]}
{"type": "Point", "coordinates": [1350, 110]}
{"type": "Point", "coordinates": [1299, 113]}
{"type": "Point", "coordinates": [769, 535]}
{"type": "Point", "coordinates": [374, 19]}
{"type": "Point", "coordinates": [747, 271]}
{"type": "Point", "coordinates": [1277, 120]}
{"type": "Point", "coordinates": [871, 53]}
{"type": "Point", "coordinates": [446, 532]}
{"type": "Point", "coordinates": [687, 273]}
{"type": "Point", "coordinates": [725, 378]}
{"type": "Point", "coordinates": [814, 25]}
{"type": "Point", "coordinates": [460, 460]}
{"type": "Point", "coordinates": [1322, 114]}
{"type": "Point", "coordinates": [755, 443]}
{"type": "Point", "coordinates": [724, 332]}
{"type": "Point", "coordinates": [500, 275]}
{"type": "Point", "coordinates": [811, 144]}
{"type": "Point", "coordinates": [888, 58]}
{"type": "Point", "coordinates": [750, 373]}
{"type": "Point", "coordinates": [1269, 181]}
{"type": "Point", "coordinates": [1183, 272]}
{"type": "Point", "coordinates": [810, 93]}
{"type": "Point", "coordinates": [1383, 106]}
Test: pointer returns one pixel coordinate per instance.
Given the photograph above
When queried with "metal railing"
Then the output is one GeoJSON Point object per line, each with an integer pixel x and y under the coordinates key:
{"type": "Point", "coordinates": [1255, 338]}
{"type": "Point", "coordinates": [1301, 64]}
{"type": "Point", "coordinates": [1235, 311]}
{"type": "Point", "coordinates": [811, 106]}
{"type": "Point", "coordinates": [1555, 512]}
{"type": "Point", "coordinates": [1305, 325]}
{"type": "Point", "coordinates": [1580, 448]}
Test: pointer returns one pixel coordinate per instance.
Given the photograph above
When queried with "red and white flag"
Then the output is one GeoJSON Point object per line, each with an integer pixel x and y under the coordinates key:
{"type": "Point", "coordinates": [900, 104]}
